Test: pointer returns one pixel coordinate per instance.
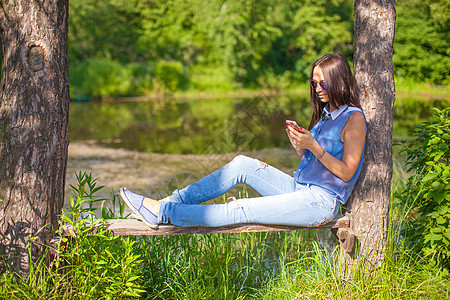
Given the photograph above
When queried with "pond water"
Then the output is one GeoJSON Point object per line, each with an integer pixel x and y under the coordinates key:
{"type": "Point", "coordinates": [156, 146]}
{"type": "Point", "coordinates": [211, 126]}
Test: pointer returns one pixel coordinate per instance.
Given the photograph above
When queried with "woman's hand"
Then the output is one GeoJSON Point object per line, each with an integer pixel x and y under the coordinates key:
{"type": "Point", "coordinates": [301, 139]}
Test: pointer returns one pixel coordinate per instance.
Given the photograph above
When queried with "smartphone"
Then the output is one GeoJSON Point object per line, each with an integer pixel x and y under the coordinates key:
{"type": "Point", "coordinates": [293, 124]}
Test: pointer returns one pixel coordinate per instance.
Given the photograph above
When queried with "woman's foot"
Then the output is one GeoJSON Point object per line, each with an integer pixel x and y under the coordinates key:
{"type": "Point", "coordinates": [144, 208]}
{"type": "Point", "coordinates": [152, 205]}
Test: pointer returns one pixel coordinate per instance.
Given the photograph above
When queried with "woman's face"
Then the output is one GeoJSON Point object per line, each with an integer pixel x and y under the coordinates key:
{"type": "Point", "coordinates": [319, 84]}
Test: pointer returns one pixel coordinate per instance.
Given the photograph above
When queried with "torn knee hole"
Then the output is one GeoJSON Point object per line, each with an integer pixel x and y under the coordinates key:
{"type": "Point", "coordinates": [262, 165]}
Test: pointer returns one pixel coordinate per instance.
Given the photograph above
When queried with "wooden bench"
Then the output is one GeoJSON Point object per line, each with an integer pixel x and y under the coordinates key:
{"type": "Point", "coordinates": [134, 227]}
{"type": "Point", "coordinates": [340, 226]}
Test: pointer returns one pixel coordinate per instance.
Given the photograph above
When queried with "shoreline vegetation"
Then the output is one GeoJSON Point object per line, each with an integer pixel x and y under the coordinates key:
{"type": "Point", "coordinates": [418, 90]}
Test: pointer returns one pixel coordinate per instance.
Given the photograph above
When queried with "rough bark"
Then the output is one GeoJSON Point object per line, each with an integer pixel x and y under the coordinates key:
{"type": "Point", "coordinates": [34, 106]}
{"type": "Point", "coordinates": [374, 74]}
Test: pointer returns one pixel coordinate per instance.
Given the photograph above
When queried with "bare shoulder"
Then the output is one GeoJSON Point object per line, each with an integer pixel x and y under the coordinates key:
{"type": "Point", "coordinates": [357, 117]}
{"type": "Point", "coordinates": [356, 126]}
{"type": "Point", "coordinates": [356, 120]}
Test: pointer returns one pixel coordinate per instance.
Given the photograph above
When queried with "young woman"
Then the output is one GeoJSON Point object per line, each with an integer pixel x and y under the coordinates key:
{"type": "Point", "coordinates": [330, 151]}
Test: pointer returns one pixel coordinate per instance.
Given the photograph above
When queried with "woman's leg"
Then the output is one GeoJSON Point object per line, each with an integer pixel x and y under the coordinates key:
{"type": "Point", "coordinates": [264, 179]}
{"type": "Point", "coordinates": [308, 206]}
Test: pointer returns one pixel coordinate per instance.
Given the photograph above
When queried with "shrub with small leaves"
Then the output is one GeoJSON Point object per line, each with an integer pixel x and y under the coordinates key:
{"type": "Point", "coordinates": [428, 188]}
{"type": "Point", "coordinates": [171, 74]}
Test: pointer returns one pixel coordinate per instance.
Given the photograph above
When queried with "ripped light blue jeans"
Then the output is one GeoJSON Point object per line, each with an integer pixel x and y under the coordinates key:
{"type": "Point", "coordinates": [283, 201]}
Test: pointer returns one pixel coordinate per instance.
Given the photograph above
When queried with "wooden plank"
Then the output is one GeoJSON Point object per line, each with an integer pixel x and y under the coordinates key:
{"type": "Point", "coordinates": [133, 227]}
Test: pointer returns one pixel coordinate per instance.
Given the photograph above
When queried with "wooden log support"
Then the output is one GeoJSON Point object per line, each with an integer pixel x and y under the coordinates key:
{"type": "Point", "coordinates": [133, 227]}
{"type": "Point", "coordinates": [346, 237]}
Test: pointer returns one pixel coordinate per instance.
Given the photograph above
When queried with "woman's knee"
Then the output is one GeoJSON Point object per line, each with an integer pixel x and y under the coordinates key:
{"type": "Point", "coordinates": [240, 158]}
{"type": "Point", "coordinates": [239, 163]}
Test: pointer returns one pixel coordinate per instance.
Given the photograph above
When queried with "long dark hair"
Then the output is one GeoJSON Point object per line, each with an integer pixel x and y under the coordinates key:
{"type": "Point", "coordinates": [340, 82]}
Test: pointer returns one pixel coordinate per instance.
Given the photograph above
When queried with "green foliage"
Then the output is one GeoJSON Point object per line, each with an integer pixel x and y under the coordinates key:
{"type": "Point", "coordinates": [100, 77]}
{"type": "Point", "coordinates": [171, 74]}
{"type": "Point", "coordinates": [317, 275]}
{"type": "Point", "coordinates": [211, 78]}
{"type": "Point", "coordinates": [422, 50]}
{"type": "Point", "coordinates": [428, 189]}
{"type": "Point", "coordinates": [253, 41]}
{"type": "Point", "coordinates": [143, 78]}
{"type": "Point", "coordinates": [317, 31]}
{"type": "Point", "coordinates": [174, 29]}
{"type": "Point", "coordinates": [100, 28]}
{"type": "Point", "coordinates": [97, 263]}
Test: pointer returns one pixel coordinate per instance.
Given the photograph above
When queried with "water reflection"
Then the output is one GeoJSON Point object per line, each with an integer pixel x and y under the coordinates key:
{"type": "Point", "coordinates": [208, 126]}
{"type": "Point", "coordinates": [202, 126]}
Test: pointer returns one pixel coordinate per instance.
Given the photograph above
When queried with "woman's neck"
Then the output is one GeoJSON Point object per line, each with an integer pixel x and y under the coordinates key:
{"type": "Point", "coordinates": [330, 107]}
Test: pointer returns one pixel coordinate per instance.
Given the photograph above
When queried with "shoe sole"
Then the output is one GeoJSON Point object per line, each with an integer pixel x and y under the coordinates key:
{"type": "Point", "coordinates": [136, 214]}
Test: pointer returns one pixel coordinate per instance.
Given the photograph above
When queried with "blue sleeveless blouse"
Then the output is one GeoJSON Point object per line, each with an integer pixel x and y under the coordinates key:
{"type": "Point", "coordinates": [327, 132]}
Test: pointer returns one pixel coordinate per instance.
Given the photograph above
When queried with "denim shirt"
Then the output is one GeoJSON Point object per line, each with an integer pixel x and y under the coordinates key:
{"type": "Point", "coordinates": [327, 132]}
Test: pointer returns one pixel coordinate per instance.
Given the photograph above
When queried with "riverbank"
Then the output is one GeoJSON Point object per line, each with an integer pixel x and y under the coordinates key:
{"type": "Point", "coordinates": [422, 91]}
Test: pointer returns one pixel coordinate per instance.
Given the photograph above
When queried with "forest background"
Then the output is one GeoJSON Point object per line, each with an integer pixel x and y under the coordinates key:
{"type": "Point", "coordinates": [137, 48]}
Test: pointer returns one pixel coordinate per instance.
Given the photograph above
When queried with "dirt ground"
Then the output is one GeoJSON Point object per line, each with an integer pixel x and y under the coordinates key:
{"type": "Point", "coordinates": [153, 174]}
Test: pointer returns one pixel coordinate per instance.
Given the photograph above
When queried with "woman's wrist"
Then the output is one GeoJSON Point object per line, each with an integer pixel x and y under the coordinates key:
{"type": "Point", "coordinates": [318, 151]}
{"type": "Point", "coordinates": [318, 157]}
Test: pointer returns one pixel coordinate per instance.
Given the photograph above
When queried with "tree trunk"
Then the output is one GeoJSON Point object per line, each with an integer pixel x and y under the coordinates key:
{"type": "Point", "coordinates": [374, 74]}
{"type": "Point", "coordinates": [34, 107]}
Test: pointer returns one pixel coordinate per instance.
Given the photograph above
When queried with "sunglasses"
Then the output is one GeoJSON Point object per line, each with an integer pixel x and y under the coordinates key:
{"type": "Point", "coordinates": [322, 85]}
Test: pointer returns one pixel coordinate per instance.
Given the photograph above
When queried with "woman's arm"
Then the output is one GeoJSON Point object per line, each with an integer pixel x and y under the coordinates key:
{"type": "Point", "coordinates": [353, 136]}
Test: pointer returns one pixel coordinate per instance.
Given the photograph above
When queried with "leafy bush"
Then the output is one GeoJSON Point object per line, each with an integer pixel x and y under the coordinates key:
{"type": "Point", "coordinates": [211, 78]}
{"type": "Point", "coordinates": [143, 78]}
{"type": "Point", "coordinates": [171, 74]}
{"type": "Point", "coordinates": [100, 77]}
{"type": "Point", "coordinates": [272, 81]}
{"type": "Point", "coordinates": [428, 189]}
